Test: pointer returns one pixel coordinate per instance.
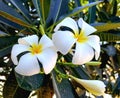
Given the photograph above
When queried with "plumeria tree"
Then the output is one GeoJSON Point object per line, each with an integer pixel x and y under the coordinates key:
{"type": "Point", "coordinates": [66, 48]}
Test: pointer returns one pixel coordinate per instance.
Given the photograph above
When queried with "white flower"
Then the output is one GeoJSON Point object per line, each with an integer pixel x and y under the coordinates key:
{"type": "Point", "coordinates": [69, 33]}
{"type": "Point", "coordinates": [34, 52]}
{"type": "Point", "coordinates": [96, 87]}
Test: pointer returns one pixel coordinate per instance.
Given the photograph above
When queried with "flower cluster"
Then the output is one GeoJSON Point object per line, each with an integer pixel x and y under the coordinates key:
{"type": "Point", "coordinates": [33, 56]}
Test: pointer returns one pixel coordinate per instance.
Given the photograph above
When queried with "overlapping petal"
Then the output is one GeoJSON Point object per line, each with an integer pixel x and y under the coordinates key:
{"type": "Point", "coordinates": [46, 42]}
{"type": "Point", "coordinates": [63, 40]}
{"type": "Point", "coordinates": [48, 59]}
{"type": "Point", "coordinates": [68, 22]}
{"type": "Point", "coordinates": [83, 54]}
{"type": "Point", "coordinates": [95, 87]}
{"type": "Point", "coordinates": [28, 65]}
{"type": "Point", "coordinates": [16, 50]}
{"type": "Point", "coordinates": [94, 42]}
{"type": "Point", "coordinates": [28, 40]}
{"type": "Point", "coordinates": [85, 27]}
{"type": "Point", "coordinates": [85, 43]}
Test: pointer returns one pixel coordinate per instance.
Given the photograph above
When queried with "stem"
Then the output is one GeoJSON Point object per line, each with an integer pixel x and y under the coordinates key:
{"type": "Point", "coordinates": [93, 63]}
{"type": "Point", "coordinates": [41, 30]}
{"type": "Point", "coordinates": [62, 75]}
{"type": "Point", "coordinates": [66, 63]}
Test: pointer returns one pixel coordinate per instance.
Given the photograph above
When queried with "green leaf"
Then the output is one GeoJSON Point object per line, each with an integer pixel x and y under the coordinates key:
{"type": "Point", "coordinates": [2, 33]}
{"type": "Point", "coordinates": [59, 8]}
{"type": "Point", "coordinates": [38, 7]}
{"type": "Point", "coordinates": [6, 43]}
{"type": "Point", "coordinates": [104, 36]}
{"type": "Point", "coordinates": [92, 13]}
{"type": "Point", "coordinates": [10, 23]}
{"type": "Point", "coordinates": [77, 70]}
{"type": "Point", "coordinates": [45, 6]}
{"type": "Point", "coordinates": [116, 89]}
{"type": "Point", "coordinates": [11, 88]}
{"type": "Point", "coordinates": [81, 72]}
{"type": "Point", "coordinates": [63, 88]}
{"type": "Point", "coordinates": [5, 51]}
{"type": "Point", "coordinates": [80, 9]}
{"type": "Point", "coordinates": [19, 5]}
{"type": "Point", "coordinates": [12, 15]}
{"type": "Point", "coordinates": [105, 26]}
{"type": "Point", "coordinates": [30, 82]}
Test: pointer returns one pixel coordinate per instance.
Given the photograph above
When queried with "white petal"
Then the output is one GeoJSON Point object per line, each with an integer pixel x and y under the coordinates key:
{"type": "Point", "coordinates": [85, 27]}
{"type": "Point", "coordinates": [63, 41]}
{"type": "Point", "coordinates": [46, 41]}
{"type": "Point", "coordinates": [83, 54]}
{"type": "Point", "coordinates": [28, 65]}
{"type": "Point", "coordinates": [95, 87]}
{"type": "Point", "coordinates": [48, 59]}
{"type": "Point", "coordinates": [16, 50]}
{"type": "Point", "coordinates": [94, 41]}
{"type": "Point", "coordinates": [28, 40]}
{"type": "Point", "coordinates": [68, 22]}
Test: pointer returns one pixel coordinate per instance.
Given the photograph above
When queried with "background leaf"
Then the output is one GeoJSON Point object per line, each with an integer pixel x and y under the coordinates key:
{"type": "Point", "coordinates": [30, 82]}
{"type": "Point", "coordinates": [105, 26]}
{"type": "Point", "coordinates": [21, 8]}
{"type": "Point", "coordinates": [6, 43]}
{"type": "Point", "coordinates": [12, 15]}
{"type": "Point", "coordinates": [77, 10]}
{"type": "Point", "coordinates": [63, 88]}
{"type": "Point", "coordinates": [12, 90]}
{"type": "Point", "coordinates": [59, 7]}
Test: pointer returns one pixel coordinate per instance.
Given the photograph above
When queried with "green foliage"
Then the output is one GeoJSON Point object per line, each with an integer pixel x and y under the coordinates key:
{"type": "Point", "coordinates": [63, 88]}
{"type": "Point", "coordinates": [6, 43]}
{"type": "Point", "coordinates": [30, 82]}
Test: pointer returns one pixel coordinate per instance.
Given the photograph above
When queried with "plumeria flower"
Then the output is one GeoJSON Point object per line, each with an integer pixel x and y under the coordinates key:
{"type": "Point", "coordinates": [70, 33]}
{"type": "Point", "coordinates": [34, 52]}
{"type": "Point", "coordinates": [96, 87]}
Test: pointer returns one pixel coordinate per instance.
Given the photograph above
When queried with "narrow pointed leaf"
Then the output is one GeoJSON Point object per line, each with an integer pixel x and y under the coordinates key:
{"type": "Point", "coordinates": [10, 23]}
{"type": "Point", "coordinates": [59, 8]}
{"type": "Point", "coordinates": [106, 26]}
{"type": "Point", "coordinates": [45, 6]}
{"type": "Point", "coordinates": [79, 9]}
{"type": "Point", "coordinates": [109, 37]}
{"type": "Point", "coordinates": [19, 5]}
{"type": "Point", "coordinates": [116, 89]}
{"type": "Point", "coordinates": [81, 72]}
{"type": "Point", "coordinates": [92, 13]}
{"type": "Point", "coordinates": [2, 33]}
{"type": "Point", "coordinates": [38, 7]}
{"type": "Point", "coordinates": [12, 15]}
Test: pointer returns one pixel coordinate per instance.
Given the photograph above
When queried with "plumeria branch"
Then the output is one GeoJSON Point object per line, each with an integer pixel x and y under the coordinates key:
{"type": "Point", "coordinates": [96, 87]}
{"type": "Point", "coordinates": [66, 63]}
{"type": "Point", "coordinates": [92, 63]}
{"type": "Point", "coordinates": [62, 75]}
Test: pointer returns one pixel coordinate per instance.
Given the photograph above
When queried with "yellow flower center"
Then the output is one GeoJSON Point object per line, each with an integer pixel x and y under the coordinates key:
{"type": "Point", "coordinates": [81, 37]}
{"type": "Point", "coordinates": [36, 48]}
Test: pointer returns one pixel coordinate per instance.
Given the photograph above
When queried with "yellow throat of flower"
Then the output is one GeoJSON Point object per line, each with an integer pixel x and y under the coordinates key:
{"type": "Point", "coordinates": [36, 48]}
{"type": "Point", "coordinates": [81, 37]}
